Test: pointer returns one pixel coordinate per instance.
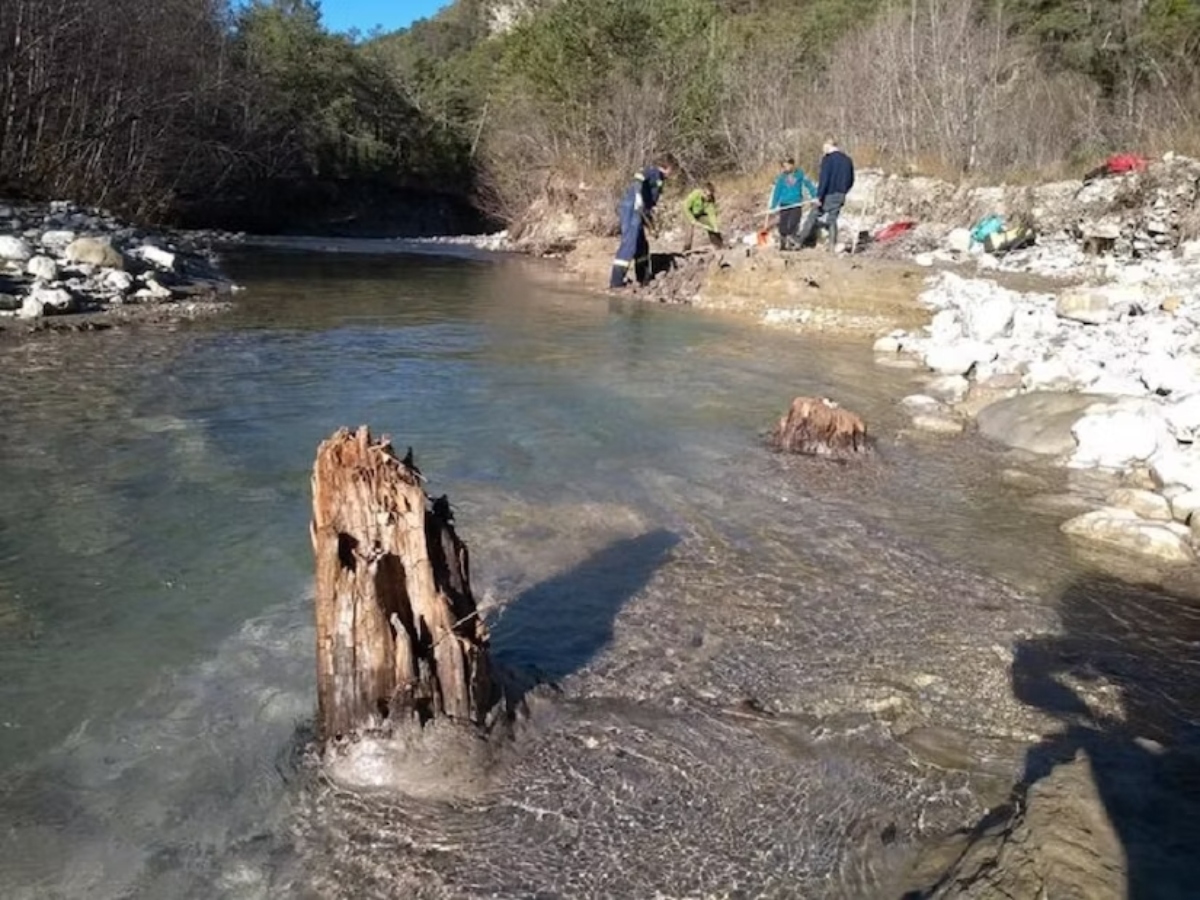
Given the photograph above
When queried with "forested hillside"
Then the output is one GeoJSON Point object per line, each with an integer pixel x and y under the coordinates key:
{"type": "Point", "coordinates": [949, 86]}
{"type": "Point", "coordinates": [186, 107]}
{"type": "Point", "coordinates": [182, 106]}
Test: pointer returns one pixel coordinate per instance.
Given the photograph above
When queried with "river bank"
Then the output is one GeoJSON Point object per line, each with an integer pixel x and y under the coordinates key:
{"type": "Point", "coordinates": [68, 268]}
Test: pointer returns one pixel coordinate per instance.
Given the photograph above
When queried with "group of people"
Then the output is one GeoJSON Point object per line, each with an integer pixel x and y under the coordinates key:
{"type": "Point", "coordinates": [793, 191]}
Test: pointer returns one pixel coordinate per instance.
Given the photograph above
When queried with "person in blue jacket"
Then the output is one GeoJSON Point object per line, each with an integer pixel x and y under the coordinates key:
{"type": "Point", "coordinates": [790, 189]}
{"type": "Point", "coordinates": [834, 183]}
{"type": "Point", "coordinates": [636, 214]}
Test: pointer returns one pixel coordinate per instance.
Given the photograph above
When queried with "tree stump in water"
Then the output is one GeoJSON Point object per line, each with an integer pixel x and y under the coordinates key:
{"type": "Point", "coordinates": [819, 427]}
{"type": "Point", "coordinates": [399, 639]}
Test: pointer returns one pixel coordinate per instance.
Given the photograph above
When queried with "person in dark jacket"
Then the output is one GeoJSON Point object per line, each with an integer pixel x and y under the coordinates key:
{"type": "Point", "coordinates": [835, 182]}
{"type": "Point", "coordinates": [636, 214]}
{"type": "Point", "coordinates": [791, 188]}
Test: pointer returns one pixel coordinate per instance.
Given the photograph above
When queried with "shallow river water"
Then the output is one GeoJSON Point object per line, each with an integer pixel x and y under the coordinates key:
{"type": "Point", "coordinates": [777, 677]}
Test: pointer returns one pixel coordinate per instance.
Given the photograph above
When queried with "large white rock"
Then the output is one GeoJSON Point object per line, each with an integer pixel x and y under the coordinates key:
{"type": "Point", "coordinates": [940, 424]}
{"type": "Point", "coordinates": [1184, 506]}
{"type": "Point", "coordinates": [1122, 529]}
{"type": "Point", "coordinates": [1146, 504]}
{"type": "Point", "coordinates": [1037, 422]}
{"type": "Point", "coordinates": [1183, 417]}
{"type": "Point", "coordinates": [117, 280]}
{"type": "Point", "coordinates": [1176, 465]}
{"type": "Point", "coordinates": [922, 404]}
{"type": "Point", "coordinates": [157, 256]}
{"type": "Point", "coordinates": [958, 358]}
{"type": "Point", "coordinates": [1052, 374]}
{"type": "Point", "coordinates": [946, 327]}
{"type": "Point", "coordinates": [42, 267]}
{"type": "Point", "coordinates": [1033, 321]}
{"type": "Point", "coordinates": [949, 388]}
{"type": "Point", "coordinates": [1118, 384]}
{"type": "Point", "coordinates": [887, 344]}
{"type": "Point", "coordinates": [31, 308]}
{"type": "Point", "coordinates": [14, 249]}
{"type": "Point", "coordinates": [959, 240]}
{"type": "Point", "coordinates": [57, 240]}
{"type": "Point", "coordinates": [95, 252]}
{"type": "Point", "coordinates": [990, 318]}
{"type": "Point", "coordinates": [53, 299]}
{"type": "Point", "coordinates": [1097, 305]}
{"type": "Point", "coordinates": [1166, 374]}
{"type": "Point", "coordinates": [1114, 438]}
{"type": "Point", "coordinates": [153, 291]}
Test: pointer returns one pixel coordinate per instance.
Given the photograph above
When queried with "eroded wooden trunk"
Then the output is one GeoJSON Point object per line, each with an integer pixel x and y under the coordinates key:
{"type": "Point", "coordinates": [399, 639]}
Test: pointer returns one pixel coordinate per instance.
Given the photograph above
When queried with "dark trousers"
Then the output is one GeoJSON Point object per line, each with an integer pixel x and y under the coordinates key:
{"type": "Point", "coordinates": [831, 207]}
{"type": "Point", "coordinates": [714, 237]}
{"type": "Point", "coordinates": [634, 251]}
{"type": "Point", "coordinates": [789, 221]}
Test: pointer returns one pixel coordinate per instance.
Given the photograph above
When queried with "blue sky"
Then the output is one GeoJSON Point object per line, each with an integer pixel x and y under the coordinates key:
{"type": "Point", "coordinates": [342, 15]}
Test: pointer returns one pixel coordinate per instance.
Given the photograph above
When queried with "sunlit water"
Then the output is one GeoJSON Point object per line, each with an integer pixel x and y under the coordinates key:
{"type": "Point", "coordinates": [632, 540]}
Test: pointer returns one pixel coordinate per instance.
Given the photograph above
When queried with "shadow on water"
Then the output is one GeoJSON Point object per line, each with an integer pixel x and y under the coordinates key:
{"type": "Point", "coordinates": [558, 626]}
{"type": "Point", "coordinates": [1140, 642]}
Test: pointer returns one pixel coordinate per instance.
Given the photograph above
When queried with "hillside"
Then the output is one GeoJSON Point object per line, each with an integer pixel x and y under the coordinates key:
{"type": "Point", "coordinates": [262, 111]}
{"type": "Point", "coordinates": [949, 87]}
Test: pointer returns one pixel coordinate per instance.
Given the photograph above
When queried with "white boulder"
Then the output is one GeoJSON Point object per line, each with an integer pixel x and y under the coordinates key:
{"type": "Point", "coordinates": [946, 326]}
{"type": "Point", "coordinates": [117, 280]}
{"type": "Point", "coordinates": [95, 252]}
{"type": "Point", "coordinates": [14, 249]}
{"type": "Point", "coordinates": [1183, 417]}
{"type": "Point", "coordinates": [990, 318]}
{"type": "Point", "coordinates": [1122, 529]}
{"type": "Point", "coordinates": [1115, 437]}
{"type": "Point", "coordinates": [57, 240]}
{"type": "Point", "coordinates": [1146, 504]}
{"type": "Point", "coordinates": [52, 299]}
{"type": "Point", "coordinates": [1176, 465]}
{"type": "Point", "coordinates": [958, 358]}
{"type": "Point", "coordinates": [157, 256]}
{"type": "Point", "coordinates": [959, 241]}
{"type": "Point", "coordinates": [1165, 374]}
{"type": "Point", "coordinates": [31, 308]}
{"type": "Point", "coordinates": [949, 388]}
{"type": "Point", "coordinates": [1185, 506]}
{"type": "Point", "coordinates": [1098, 305]}
{"type": "Point", "coordinates": [887, 344]}
{"type": "Point", "coordinates": [42, 267]}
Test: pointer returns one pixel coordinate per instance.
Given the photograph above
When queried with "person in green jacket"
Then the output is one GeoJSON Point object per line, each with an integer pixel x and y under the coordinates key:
{"type": "Point", "coordinates": [700, 210]}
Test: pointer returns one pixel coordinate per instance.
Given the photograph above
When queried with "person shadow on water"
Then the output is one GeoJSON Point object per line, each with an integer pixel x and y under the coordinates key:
{"type": "Point", "coordinates": [1108, 806]}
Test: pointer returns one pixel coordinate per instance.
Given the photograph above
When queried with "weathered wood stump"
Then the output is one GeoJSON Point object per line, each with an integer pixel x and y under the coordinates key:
{"type": "Point", "coordinates": [399, 638]}
{"type": "Point", "coordinates": [819, 427]}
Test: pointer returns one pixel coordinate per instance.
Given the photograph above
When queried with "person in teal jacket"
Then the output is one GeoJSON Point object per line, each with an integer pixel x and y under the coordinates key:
{"type": "Point", "coordinates": [790, 189]}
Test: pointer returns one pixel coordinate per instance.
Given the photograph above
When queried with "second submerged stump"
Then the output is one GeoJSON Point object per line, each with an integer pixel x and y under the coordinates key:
{"type": "Point", "coordinates": [817, 426]}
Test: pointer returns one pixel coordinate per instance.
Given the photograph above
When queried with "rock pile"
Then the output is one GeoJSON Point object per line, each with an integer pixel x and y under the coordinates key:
{"type": "Point", "coordinates": [1129, 350]}
{"type": "Point", "coordinates": [1083, 229]}
{"type": "Point", "coordinates": [60, 258]}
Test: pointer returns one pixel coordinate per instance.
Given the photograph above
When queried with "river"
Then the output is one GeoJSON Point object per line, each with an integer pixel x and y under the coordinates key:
{"type": "Point", "coordinates": [779, 677]}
